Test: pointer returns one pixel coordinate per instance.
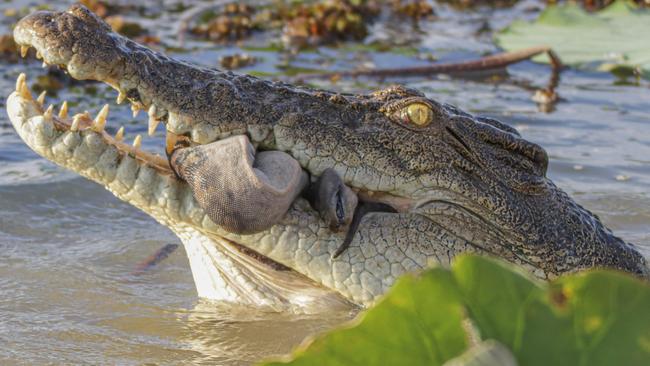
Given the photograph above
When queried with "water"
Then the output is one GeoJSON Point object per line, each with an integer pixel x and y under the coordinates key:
{"type": "Point", "coordinates": [68, 247]}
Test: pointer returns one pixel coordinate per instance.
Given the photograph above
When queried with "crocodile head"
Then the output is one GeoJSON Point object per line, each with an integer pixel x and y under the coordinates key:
{"type": "Point", "coordinates": [459, 183]}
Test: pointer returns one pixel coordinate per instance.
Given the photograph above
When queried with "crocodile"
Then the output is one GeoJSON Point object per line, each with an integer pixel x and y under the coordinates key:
{"type": "Point", "coordinates": [455, 183]}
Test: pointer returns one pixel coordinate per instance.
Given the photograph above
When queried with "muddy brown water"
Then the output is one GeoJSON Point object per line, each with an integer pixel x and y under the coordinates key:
{"type": "Point", "coordinates": [68, 247]}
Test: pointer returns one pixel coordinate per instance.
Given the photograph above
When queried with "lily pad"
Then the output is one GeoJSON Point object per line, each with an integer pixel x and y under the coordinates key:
{"type": "Point", "coordinates": [486, 312]}
{"type": "Point", "coordinates": [615, 35]}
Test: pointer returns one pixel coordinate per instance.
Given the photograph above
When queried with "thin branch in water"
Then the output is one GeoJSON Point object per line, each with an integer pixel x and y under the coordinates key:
{"type": "Point", "coordinates": [492, 62]}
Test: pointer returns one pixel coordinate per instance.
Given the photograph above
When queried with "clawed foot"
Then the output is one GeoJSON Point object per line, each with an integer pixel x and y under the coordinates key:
{"type": "Point", "coordinates": [339, 206]}
{"type": "Point", "coordinates": [334, 200]}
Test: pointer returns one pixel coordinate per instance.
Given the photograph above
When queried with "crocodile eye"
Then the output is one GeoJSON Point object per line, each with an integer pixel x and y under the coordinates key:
{"type": "Point", "coordinates": [418, 114]}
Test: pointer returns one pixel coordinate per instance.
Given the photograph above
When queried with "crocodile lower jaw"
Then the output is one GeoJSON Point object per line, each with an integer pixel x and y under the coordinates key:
{"type": "Point", "coordinates": [222, 269]}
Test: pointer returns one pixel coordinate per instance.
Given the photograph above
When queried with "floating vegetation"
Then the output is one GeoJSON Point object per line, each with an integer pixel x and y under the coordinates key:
{"type": "Point", "coordinates": [233, 23]}
{"type": "Point", "coordinates": [609, 39]}
{"type": "Point", "coordinates": [105, 9]}
{"type": "Point", "coordinates": [466, 4]}
{"type": "Point", "coordinates": [126, 28]}
{"type": "Point", "coordinates": [237, 61]}
{"type": "Point", "coordinates": [415, 9]}
{"type": "Point", "coordinates": [8, 48]}
{"type": "Point", "coordinates": [304, 24]}
{"type": "Point", "coordinates": [327, 22]}
{"type": "Point", "coordinates": [113, 15]}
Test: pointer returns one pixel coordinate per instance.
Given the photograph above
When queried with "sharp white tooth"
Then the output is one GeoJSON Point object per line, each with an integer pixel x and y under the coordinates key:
{"type": "Point", "coordinates": [100, 120]}
{"type": "Point", "coordinates": [120, 97]}
{"type": "Point", "coordinates": [41, 98]}
{"type": "Point", "coordinates": [75, 122]}
{"type": "Point", "coordinates": [137, 142]}
{"type": "Point", "coordinates": [20, 81]}
{"type": "Point", "coordinates": [21, 87]}
{"type": "Point", "coordinates": [119, 136]}
{"type": "Point", "coordinates": [153, 122]}
{"type": "Point", "coordinates": [170, 142]}
{"type": "Point", "coordinates": [63, 112]}
{"type": "Point", "coordinates": [23, 51]}
{"type": "Point", "coordinates": [135, 109]}
{"type": "Point", "coordinates": [47, 115]}
{"type": "Point", "coordinates": [44, 65]}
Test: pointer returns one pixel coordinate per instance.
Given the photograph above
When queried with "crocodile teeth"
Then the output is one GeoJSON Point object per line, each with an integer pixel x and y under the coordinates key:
{"type": "Point", "coordinates": [120, 98]}
{"type": "Point", "coordinates": [20, 81]}
{"type": "Point", "coordinates": [100, 120]}
{"type": "Point", "coordinates": [49, 112]}
{"type": "Point", "coordinates": [170, 142]}
{"type": "Point", "coordinates": [137, 142]}
{"type": "Point", "coordinates": [41, 98]}
{"type": "Point", "coordinates": [23, 51]}
{"type": "Point", "coordinates": [135, 109]}
{"type": "Point", "coordinates": [153, 122]}
{"type": "Point", "coordinates": [63, 112]}
{"type": "Point", "coordinates": [21, 87]}
{"type": "Point", "coordinates": [44, 65]}
{"type": "Point", "coordinates": [119, 135]}
{"type": "Point", "coordinates": [75, 122]}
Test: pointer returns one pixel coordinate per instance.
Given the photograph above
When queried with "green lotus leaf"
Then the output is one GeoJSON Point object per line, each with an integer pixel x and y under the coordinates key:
{"type": "Point", "coordinates": [484, 311]}
{"type": "Point", "coordinates": [616, 35]}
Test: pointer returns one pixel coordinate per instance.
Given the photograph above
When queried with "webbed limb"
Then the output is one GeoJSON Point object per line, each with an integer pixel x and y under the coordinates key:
{"type": "Point", "coordinates": [241, 191]}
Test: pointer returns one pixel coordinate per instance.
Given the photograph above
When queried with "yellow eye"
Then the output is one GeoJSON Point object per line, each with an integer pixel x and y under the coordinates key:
{"type": "Point", "coordinates": [419, 114]}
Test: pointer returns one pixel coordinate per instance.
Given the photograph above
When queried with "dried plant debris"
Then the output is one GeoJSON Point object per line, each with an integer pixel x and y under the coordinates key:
{"type": "Point", "coordinates": [237, 61]}
{"type": "Point", "coordinates": [233, 23]}
{"type": "Point", "coordinates": [328, 22]}
{"type": "Point", "coordinates": [124, 27]}
{"type": "Point", "coordinates": [304, 24]}
{"type": "Point", "coordinates": [8, 48]}
{"type": "Point", "coordinates": [113, 14]}
{"type": "Point", "coordinates": [414, 9]}
{"type": "Point", "coordinates": [105, 9]}
{"type": "Point", "coordinates": [466, 4]}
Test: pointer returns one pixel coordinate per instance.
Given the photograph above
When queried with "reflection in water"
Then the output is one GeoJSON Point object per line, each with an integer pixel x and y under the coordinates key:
{"type": "Point", "coordinates": [222, 332]}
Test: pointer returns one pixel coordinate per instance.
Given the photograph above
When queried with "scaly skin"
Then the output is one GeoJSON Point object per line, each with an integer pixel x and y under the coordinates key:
{"type": "Point", "coordinates": [460, 183]}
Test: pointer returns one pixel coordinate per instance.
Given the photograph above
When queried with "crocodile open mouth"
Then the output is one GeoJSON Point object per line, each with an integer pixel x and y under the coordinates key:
{"type": "Point", "coordinates": [82, 123]}
{"type": "Point", "coordinates": [79, 142]}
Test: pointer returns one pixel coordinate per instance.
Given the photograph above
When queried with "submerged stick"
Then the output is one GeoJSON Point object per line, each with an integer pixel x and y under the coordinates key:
{"type": "Point", "coordinates": [492, 62]}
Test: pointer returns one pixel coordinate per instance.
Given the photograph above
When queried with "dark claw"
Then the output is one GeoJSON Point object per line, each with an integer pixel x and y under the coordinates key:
{"type": "Point", "coordinates": [362, 209]}
{"type": "Point", "coordinates": [334, 200]}
{"type": "Point", "coordinates": [338, 205]}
